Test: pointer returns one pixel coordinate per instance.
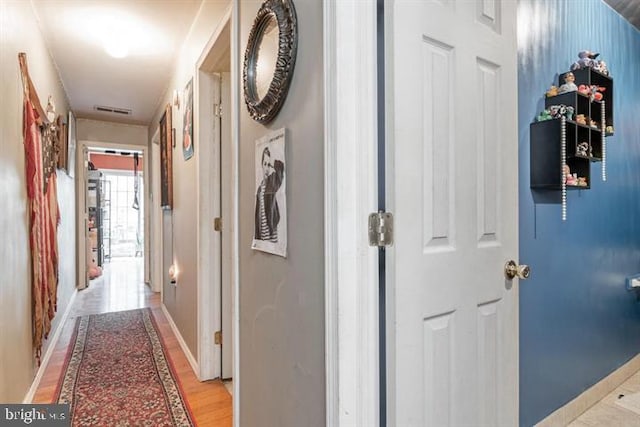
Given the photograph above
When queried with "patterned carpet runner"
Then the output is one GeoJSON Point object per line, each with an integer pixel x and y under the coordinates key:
{"type": "Point", "coordinates": [118, 373]}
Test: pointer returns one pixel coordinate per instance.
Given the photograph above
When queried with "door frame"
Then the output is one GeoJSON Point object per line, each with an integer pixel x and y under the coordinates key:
{"type": "Point", "coordinates": [209, 241]}
{"type": "Point", "coordinates": [81, 196]}
{"type": "Point", "coordinates": [156, 233]}
{"type": "Point", "coordinates": [351, 266]}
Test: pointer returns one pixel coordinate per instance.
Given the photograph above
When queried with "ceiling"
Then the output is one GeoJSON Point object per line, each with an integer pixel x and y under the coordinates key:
{"type": "Point", "coordinates": [629, 9]}
{"type": "Point", "coordinates": [152, 31]}
{"type": "Point", "coordinates": [77, 30]}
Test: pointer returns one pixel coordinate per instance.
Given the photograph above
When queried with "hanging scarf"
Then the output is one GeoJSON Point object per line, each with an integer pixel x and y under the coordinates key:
{"type": "Point", "coordinates": [44, 216]}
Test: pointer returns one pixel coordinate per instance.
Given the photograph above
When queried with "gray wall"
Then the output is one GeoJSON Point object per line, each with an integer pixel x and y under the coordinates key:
{"type": "Point", "coordinates": [19, 32]}
{"type": "Point", "coordinates": [180, 236]}
{"type": "Point", "coordinates": [282, 300]}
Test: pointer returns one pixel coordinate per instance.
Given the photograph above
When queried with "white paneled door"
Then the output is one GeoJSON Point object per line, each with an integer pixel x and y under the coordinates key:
{"type": "Point", "coordinates": [453, 348]}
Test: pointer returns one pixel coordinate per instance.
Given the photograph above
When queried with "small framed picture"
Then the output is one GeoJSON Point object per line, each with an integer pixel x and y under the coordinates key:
{"type": "Point", "coordinates": [187, 122]}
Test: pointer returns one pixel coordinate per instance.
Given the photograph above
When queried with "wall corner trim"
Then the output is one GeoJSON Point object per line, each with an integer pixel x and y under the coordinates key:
{"type": "Point", "coordinates": [47, 356]}
{"type": "Point", "coordinates": [351, 266]}
{"type": "Point", "coordinates": [332, 363]}
{"type": "Point", "coordinates": [572, 410]}
{"type": "Point", "coordinates": [183, 344]}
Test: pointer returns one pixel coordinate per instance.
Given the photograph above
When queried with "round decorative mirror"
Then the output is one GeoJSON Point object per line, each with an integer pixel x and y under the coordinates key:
{"type": "Point", "coordinates": [270, 59]}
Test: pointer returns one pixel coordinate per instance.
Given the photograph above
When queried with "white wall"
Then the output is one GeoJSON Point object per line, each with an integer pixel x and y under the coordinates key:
{"type": "Point", "coordinates": [19, 32]}
{"type": "Point", "coordinates": [100, 131]}
{"type": "Point", "coordinates": [180, 235]}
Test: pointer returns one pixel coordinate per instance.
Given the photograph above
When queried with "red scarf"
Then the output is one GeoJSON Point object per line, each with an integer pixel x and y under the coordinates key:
{"type": "Point", "coordinates": [44, 216]}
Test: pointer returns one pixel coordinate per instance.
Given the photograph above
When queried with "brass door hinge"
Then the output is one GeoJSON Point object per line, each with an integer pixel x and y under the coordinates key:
{"type": "Point", "coordinates": [217, 224]}
{"type": "Point", "coordinates": [217, 338]}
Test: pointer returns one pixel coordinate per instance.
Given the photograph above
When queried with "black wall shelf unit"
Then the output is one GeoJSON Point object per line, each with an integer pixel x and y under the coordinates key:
{"type": "Point", "coordinates": [591, 77]}
{"type": "Point", "coordinates": [565, 141]}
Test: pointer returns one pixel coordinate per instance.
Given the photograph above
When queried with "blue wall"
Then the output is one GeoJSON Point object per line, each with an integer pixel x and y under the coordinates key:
{"type": "Point", "coordinates": [578, 323]}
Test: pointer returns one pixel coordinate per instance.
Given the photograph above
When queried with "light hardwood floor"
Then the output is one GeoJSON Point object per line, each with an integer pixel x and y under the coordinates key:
{"type": "Point", "coordinates": [121, 288]}
{"type": "Point", "coordinates": [608, 413]}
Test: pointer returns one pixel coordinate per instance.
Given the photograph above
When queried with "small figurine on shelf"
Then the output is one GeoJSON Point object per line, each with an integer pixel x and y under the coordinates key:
{"type": "Point", "coordinates": [569, 83]}
{"type": "Point", "coordinates": [558, 111]}
{"type": "Point", "coordinates": [582, 181]}
{"type": "Point", "coordinates": [596, 92]}
{"type": "Point", "coordinates": [581, 119]}
{"type": "Point", "coordinates": [609, 130]}
{"type": "Point", "coordinates": [569, 112]}
{"type": "Point", "coordinates": [584, 89]}
{"type": "Point", "coordinates": [593, 124]}
{"type": "Point", "coordinates": [587, 60]}
{"type": "Point", "coordinates": [602, 67]}
{"type": "Point", "coordinates": [544, 115]}
{"type": "Point", "coordinates": [583, 149]}
{"type": "Point", "coordinates": [572, 179]}
{"type": "Point", "coordinates": [568, 178]}
{"type": "Point", "coordinates": [553, 91]}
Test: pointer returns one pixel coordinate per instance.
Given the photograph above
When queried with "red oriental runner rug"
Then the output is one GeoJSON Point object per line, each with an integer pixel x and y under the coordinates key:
{"type": "Point", "coordinates": [118, 373]}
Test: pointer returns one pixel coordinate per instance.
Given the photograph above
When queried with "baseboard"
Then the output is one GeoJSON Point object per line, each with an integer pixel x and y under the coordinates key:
{"type": "Point", "coordinates": [47, 356]}
{"type": "Point", "coordinates": [183, 344]}
{"type": "Point", "coordinates": [572, 410]}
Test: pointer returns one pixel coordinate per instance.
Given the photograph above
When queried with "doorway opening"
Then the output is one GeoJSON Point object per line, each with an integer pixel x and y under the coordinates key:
{"type": "Point", "coordinates": [215, 160]}
{"type": "Point", "coordinates": [115, 214]}
{"type": "Point", "coordinates": [125, 229]}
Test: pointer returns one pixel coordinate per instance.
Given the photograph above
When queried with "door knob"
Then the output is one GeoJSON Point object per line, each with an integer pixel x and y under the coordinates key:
{"type": "Point", "coordinates": [511, 270]}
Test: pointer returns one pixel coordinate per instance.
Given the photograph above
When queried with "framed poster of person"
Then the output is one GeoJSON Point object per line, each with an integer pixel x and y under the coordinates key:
{"type": "Point", "coordinates": [270, 213]}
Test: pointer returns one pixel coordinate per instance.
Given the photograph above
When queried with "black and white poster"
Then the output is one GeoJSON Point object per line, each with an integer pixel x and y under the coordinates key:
{"type": "Point", "coordinates": [270, 217]}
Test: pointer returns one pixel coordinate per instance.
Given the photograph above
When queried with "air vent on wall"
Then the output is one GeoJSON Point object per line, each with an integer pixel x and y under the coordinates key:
{"type": "Point", "coordinates": [115, 110]}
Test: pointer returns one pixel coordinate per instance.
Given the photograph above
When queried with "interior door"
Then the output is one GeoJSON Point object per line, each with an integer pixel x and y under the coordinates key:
{"type": "Point", "coordinates": [453, 134]}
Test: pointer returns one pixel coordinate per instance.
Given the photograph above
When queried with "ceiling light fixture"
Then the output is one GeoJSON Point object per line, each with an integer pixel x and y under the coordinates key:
{"type": "Point", "coordinates": [118, 32]}
{"type": "Point", "coordinates": [116, 48]}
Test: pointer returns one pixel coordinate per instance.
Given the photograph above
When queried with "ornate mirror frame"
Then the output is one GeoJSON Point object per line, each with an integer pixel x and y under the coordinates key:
{"type": "Point", "coordinates": [263, 110]}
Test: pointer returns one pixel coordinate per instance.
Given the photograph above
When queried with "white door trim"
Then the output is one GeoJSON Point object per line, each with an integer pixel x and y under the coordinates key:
{"type": "Point", "coordinates": [351, 266]}
{"type": "Point", "coordinates": [156, 250]}
{"type": "Point", "coordinates": [208, 283]}
{"type": "Point", "coordinates": [81, 177]}
{"type": "Point", "coordinates": [235, 185]}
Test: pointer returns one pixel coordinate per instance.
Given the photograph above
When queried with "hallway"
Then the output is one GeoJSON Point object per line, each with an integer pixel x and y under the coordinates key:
{"type": "Point", "coordinates": [121, 287]}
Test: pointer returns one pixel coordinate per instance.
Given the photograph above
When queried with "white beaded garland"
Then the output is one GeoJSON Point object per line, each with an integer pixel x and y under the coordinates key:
{"type": "Point", "coordinates": [563, 163]}
{"type": "Point", "coordinates": [604, 142]}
